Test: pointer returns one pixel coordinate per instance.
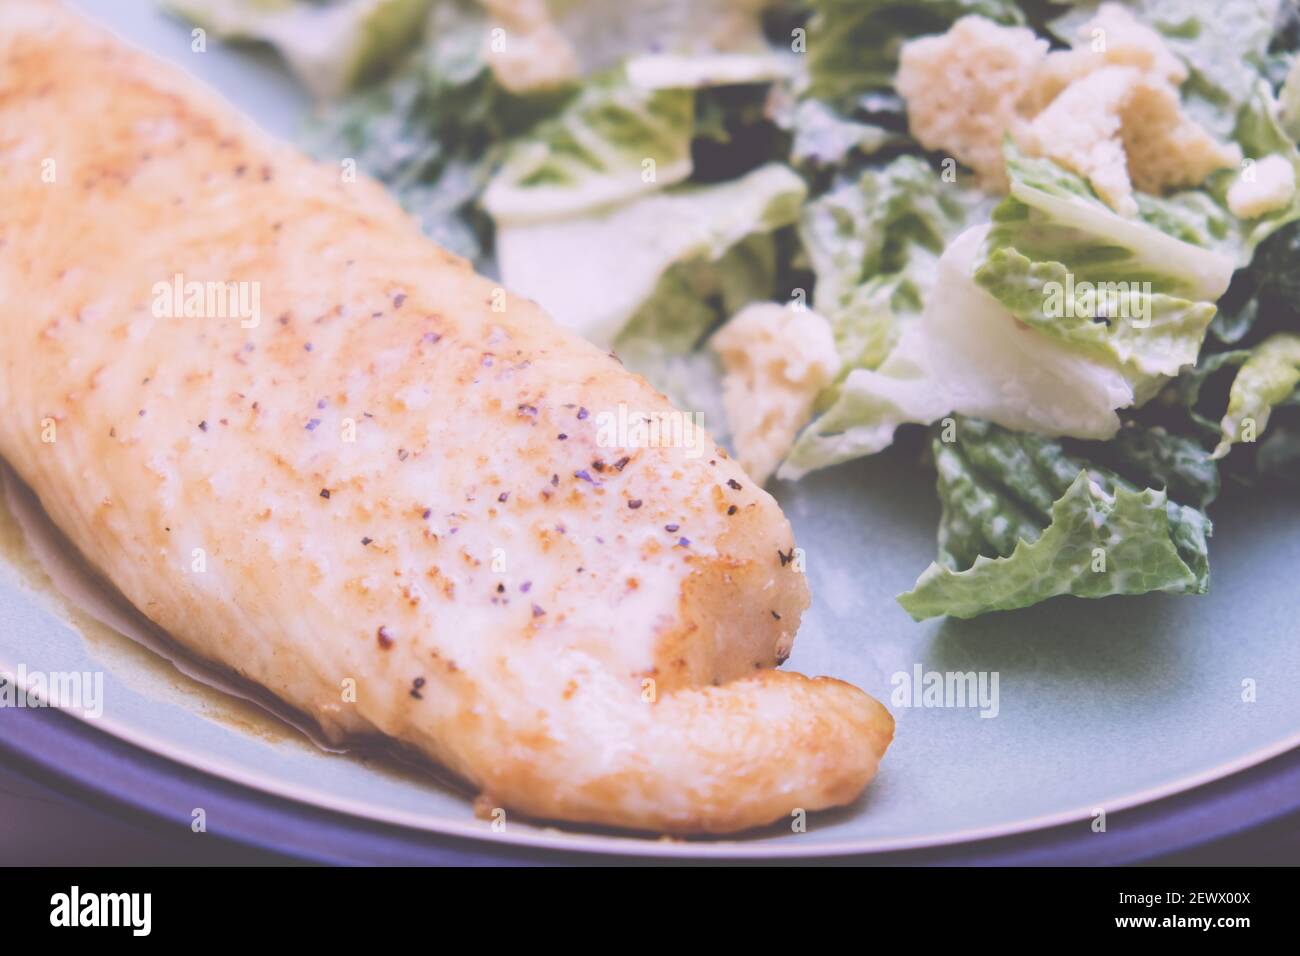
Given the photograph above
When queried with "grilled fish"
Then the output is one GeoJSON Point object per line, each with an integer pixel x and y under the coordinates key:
{"type": "Point", "coordinates": [321, 451]}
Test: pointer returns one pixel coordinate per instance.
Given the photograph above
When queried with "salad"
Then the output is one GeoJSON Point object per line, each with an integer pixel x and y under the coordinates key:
{"type": "Point", "coordinates": [1056, 245]}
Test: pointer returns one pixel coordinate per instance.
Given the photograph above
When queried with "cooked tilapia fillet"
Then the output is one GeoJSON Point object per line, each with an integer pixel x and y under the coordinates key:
{"type": "Point", "coordinates": [582, 632]}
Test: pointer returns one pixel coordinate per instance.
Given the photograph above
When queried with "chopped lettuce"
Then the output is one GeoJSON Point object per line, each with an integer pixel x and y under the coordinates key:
{"type": "Point", "coordinates": [1155, 456]}
{"type": "Point", "coordinates": [624, 250]}
{"type": "Point", "coordinates": [995, 341]}
{"type": "Point", "coordinates": [1268, 377]}
{"type": "Point", "coordinates": [873, 245]}
{"type": "Point", "coordinates": [822, 137]}
{"type": "Point", "coordinates": [1149, 334]}
{"type": "Point", "coordinates": [663, 340]}
{"type": "Point", "coordinates": [613, 142]}
{"type": "Point", "coordinates": [1290, 101]}
{"type": "Point", "coordinates": [431, 133]}
{"type": "Point", "coordinates": [1024, 520]}
{"type": "Point", "coordinates": [625, 165]}
{"type": "Point", "coordinates": [1054, 215]}
{"type": "Point", "coordinates": [332, 47]}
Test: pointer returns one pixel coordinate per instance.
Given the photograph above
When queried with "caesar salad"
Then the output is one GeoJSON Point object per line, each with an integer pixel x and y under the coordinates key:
{"type": "Point", "coordinates": [1054, 244]}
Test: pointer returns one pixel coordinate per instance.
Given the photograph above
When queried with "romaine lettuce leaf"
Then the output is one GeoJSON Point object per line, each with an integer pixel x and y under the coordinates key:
{"type": "Point", "coordinates": [1150, 333]}
{"type": "Point", "coordinates": [663, 340]}
{"type": "Point", "coordinates": [1268, 377]}
{"type": "Point", "coordinates": [331, 47]}
{"type": "Point", "coordinates": [822, 137]}
{"type": "Point", "coordinates": [431, 132]}
{"type": "Point", "coordinates": [1156, 457]}
{"type": "Point", "coordinates": [965, 353]}
{"type": "Point", "coordinates": [1119, 290]}
{"type": "Point", "coordinates": [1024, 520]}
{"type": "Point", "coordinates": [615, 141]}
{"type": "Point", "coordinates": [1052, 215]}
{"type": "Point", "coordinates": [1290, 101]}
{"type": "Point", "coordinates": [594, 272]}
{"type": "Point", "coordinates": [985, 346]}
{"type": "Point", "coordinates": [873, 245]}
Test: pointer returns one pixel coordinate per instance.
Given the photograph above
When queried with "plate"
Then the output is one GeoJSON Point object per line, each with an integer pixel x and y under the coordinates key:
{"type": "Point", "coordinates": [1099, 705]}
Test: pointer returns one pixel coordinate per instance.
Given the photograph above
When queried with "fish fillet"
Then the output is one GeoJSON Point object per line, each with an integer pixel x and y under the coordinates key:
{"type": "Point", "coordinates": [386, 497]}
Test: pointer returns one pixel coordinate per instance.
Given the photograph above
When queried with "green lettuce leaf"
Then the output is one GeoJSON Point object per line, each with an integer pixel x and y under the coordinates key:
{"type": "Point", "coordinates": [431, 132]}
{"type": "Point", "coordinates": [663, 340]}
{"type": "Point", "coordinates": [594, 272]}
{"type": "Point", "coordinates": [822, 137]}
{"type": "Point", "coordinates": [986, 346]}
{"type": "Point", "coordinates": [1155, 457]}
{"type": "Point", "coordinates": [1268, 377]}
{"type": "Point", "coordinates": [873, 245]}
{"type": "Point", "coordinates": [1290, 101]}
{"type": "Point", "coordinates": [613, 142]}
{"type": "Point", "coordinates": [1024, 520]}
{"type": "Point", "coordinates": [331, 47]}
{"type": "Point", "coordinates": [1052, 215]}
{"type": "Point", "coordinates": [1124, 292]}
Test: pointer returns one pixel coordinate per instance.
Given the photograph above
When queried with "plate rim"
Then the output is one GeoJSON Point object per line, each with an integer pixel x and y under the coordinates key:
{"type": "Point", "coordinates": [140, 782]}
